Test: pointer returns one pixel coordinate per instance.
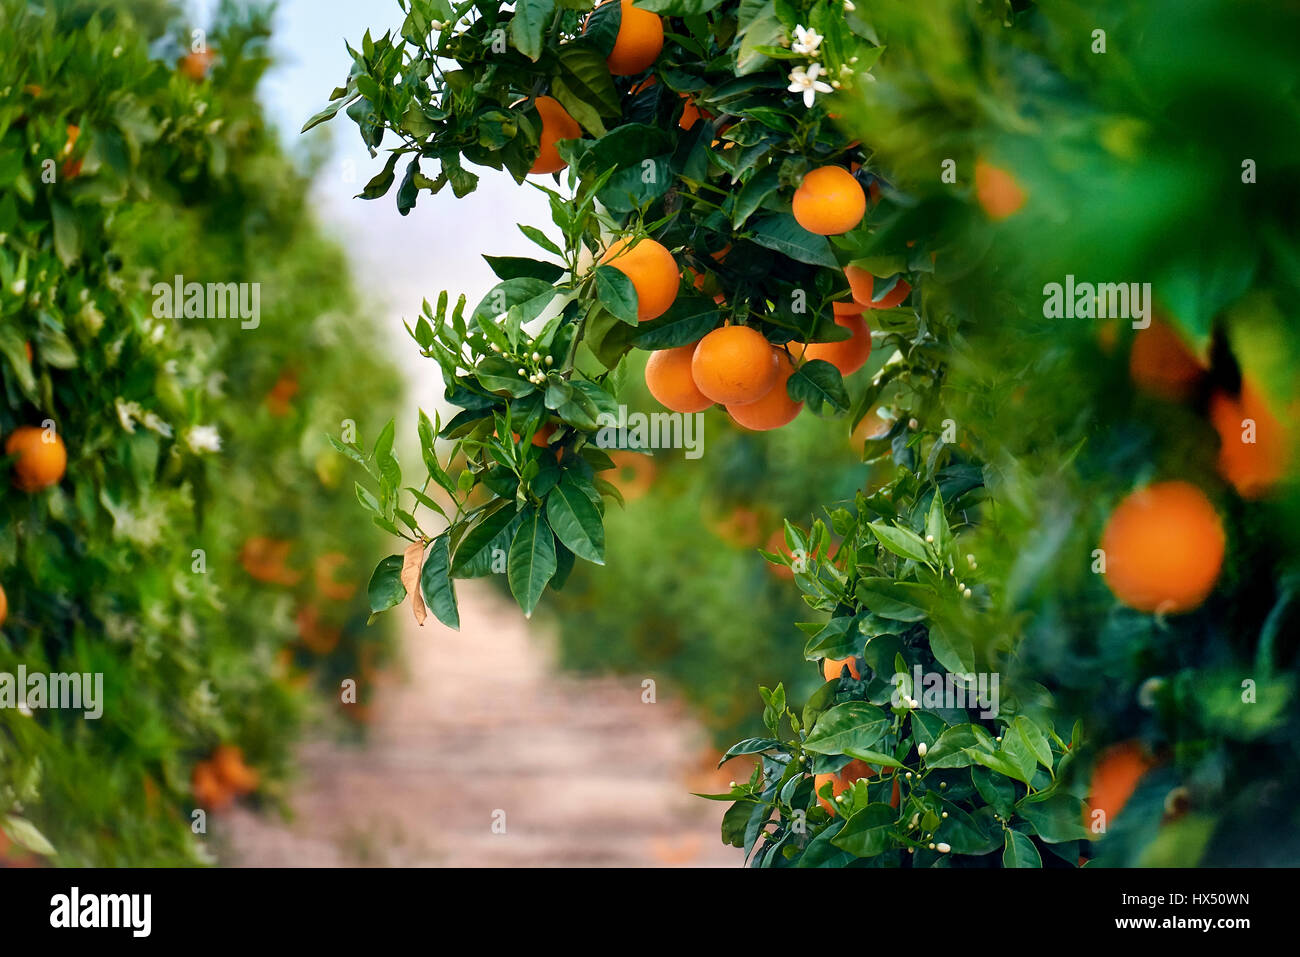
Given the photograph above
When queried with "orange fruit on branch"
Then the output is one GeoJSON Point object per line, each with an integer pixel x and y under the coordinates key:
{"type": "Point", "coordinates": [862, 285]}
{"type": "Point", "coordinates": [41, 458]}
{"type": "Point", "coordinates": [997, 191]}
{"type": "Point", "coordinates": [196, 64]}
{"type": "Point", "coordinates": [557, 125]}
{"type": "Point", "coordinates": [1255, 447]}
{"type": "Point", "coordinates": [1163, 547]}
{"type": "Point", "coordinates": [4, 606]}
{"type": "Point", "coordinates": [1161, 364]}
{"type": "Point", "coordinates": [1115, 778]}
{"type": "Point", "coordinates": [640, 38]}
{"type": "Point", "coordinates": [228, 763]}
{"type": "Point", "coordinates": [833, 667]}
{"type": "Point", "coordinates": [668, 377]}
{"type": "Point", "coordinates": [653, 272]}
{"type": "Point", "coordinates": [829, 201]}
{"type": "Point", "coordinates": [266, 560]}
{"type": "Point", "coordinates": [774, 409]}
{"type": "Point", "coordinates": [734, 365]}
{"type": "Point", "coordinates": [843, 779]}
{"type": "Point", "coordinates": [633, 473]}
{"type": "Point", "coordinates": [209, 790]}
{"type": "Point", "coordinates": [847, 355]}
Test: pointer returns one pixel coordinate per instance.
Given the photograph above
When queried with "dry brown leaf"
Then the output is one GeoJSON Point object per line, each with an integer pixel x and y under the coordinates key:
{"type": "Point", "coordinates": [412, 564]}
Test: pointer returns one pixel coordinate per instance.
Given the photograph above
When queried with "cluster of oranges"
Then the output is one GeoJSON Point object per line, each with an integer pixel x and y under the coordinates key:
{"type": "Point", "coordinates": [1164, 544]}
{"type": "Point", "coordinates": [223, 777]}
{"type": "Point", "coordinates": [640, 38]}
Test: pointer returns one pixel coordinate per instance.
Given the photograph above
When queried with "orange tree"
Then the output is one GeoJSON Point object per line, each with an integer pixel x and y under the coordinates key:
{"type": "Point", "coordinates": [1017, 424]}
{"type": "Point", "coordinates": [167, 493]}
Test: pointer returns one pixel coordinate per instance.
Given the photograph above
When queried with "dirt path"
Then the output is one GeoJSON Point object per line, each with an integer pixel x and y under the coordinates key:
{"type": "Point", "coordinates": [584, 772]}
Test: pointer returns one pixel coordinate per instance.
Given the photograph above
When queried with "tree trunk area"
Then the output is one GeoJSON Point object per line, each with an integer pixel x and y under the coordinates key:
{"type": "Point", "coordinates": [482, 755]}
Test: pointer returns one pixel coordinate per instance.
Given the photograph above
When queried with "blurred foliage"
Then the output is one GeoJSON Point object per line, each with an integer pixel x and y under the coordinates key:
{"type": "Point", "coordinates": [171, 171]}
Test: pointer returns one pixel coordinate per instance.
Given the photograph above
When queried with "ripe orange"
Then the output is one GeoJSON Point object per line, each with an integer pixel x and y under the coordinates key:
{"type": "Point", "coordinates": [698, 283]}
{"type": "Point", "coordinates": [72, 165]}
{"type": "Point", "coordinates": [734, 365]}
{"type": "Point", "coordinates": [776, 545]}
{"type": "Point", "coordinates": [1255, 467]}
{"type": "Point", "coordinates": [691, 113]}
{"type": "Point", "coordinates": [633, 473]}
{"type": "Point", "coordinates": [265, 559]}
{"type": "Point", "coordinates": [862, 284]}
{"type": "Point", "coordinates": [668, 377]}
{"type": "Point", "coordinates": [228, 763]}
{"type": "Point", "coordinates": [997, 191]}
{"type": "Point", "coordinates": [41, 457]}
{"type": "Point", "coordinates": [774, 409]}
{"type": "Point", "coordinates": [1115, 778]}
{"type": "Point", "coordinates": [872, 426]}
{"type": "Point", "coordinates": [833, 667]}
{"type": "Point", "coordinates": [209, 790]}
{"type": "Point", "coordinates": [653, 272]}
{"type": "Point", "coordinates": [738, 528]}
{"type": "Point", "coordinates": [847, 355]}
{"type": "Point", "coordinates": [4, 606]}
{"type": "Point", "coordinates": [281, 394]}
{"type": "Point", "coordinates": [829, 201]}
{"type": "Point", "coordinates": [842, 780]}
{"type": "Point", "coordinates": [1161, 364]}
{"type": "Point", "coordinates": [640, 38]}
{"type": "Point", "coordinates": [325, 567]}
{"type": "Point", "coordinates": [1163, 548]}
{"type": "Point", "coordinates": [316, 636]}
{"type": "Point", "coordinates": [196, 64]}
{"type": "Point", "coordinates": [557, 125]}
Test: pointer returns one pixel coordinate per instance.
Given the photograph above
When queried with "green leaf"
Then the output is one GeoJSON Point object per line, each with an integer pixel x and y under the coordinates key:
{"type": "Point", "coordinates": [436, 586]}
{"type": "Point", "coordinates": [532, 560]}
{"type": "Point", "coordinates": [528, 26]}
{"type": "Point", "coordinates": [687, 320]}
{"type": "Point", "coordinates": [854, 724]}
{"type": "Point", "coordinates": [520, 267]}
{"type": "Point", "coordinates": [1019, 851]}
{"type": "Point", "coordinates": [900, 541]}
{"type": "Point", "coordinates": [782, 233]}
{"type": "Point", "coordinates": [955, 748]}
{"type": "Point", "coordinates": [952, 648]}
{"type": "Point", "coordinates": [900, 601]}
{"type": "Point", "coordinates": [575, 521]}
{"type": "Point", "coordinates": [1057, 819]}
{"type": "Point", "coordinates": [479, 539]}
{"type": "Point", "coordinates": [867, 832]}
{"type": "Point", "coordinates": [749, 746]}
{"type": "Point", "coordinates": [616, 293]}
{"type": "Point", "coordinates": [819, 385]}
{"type": "Point", "coordinates": [965, 833]}
{"type": "Point", "coordinates": [1002, 763]}
{"type": "Point", "coordinates": [386, 589]}
{"type": "Point", "coordinates": [1033, 738]}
